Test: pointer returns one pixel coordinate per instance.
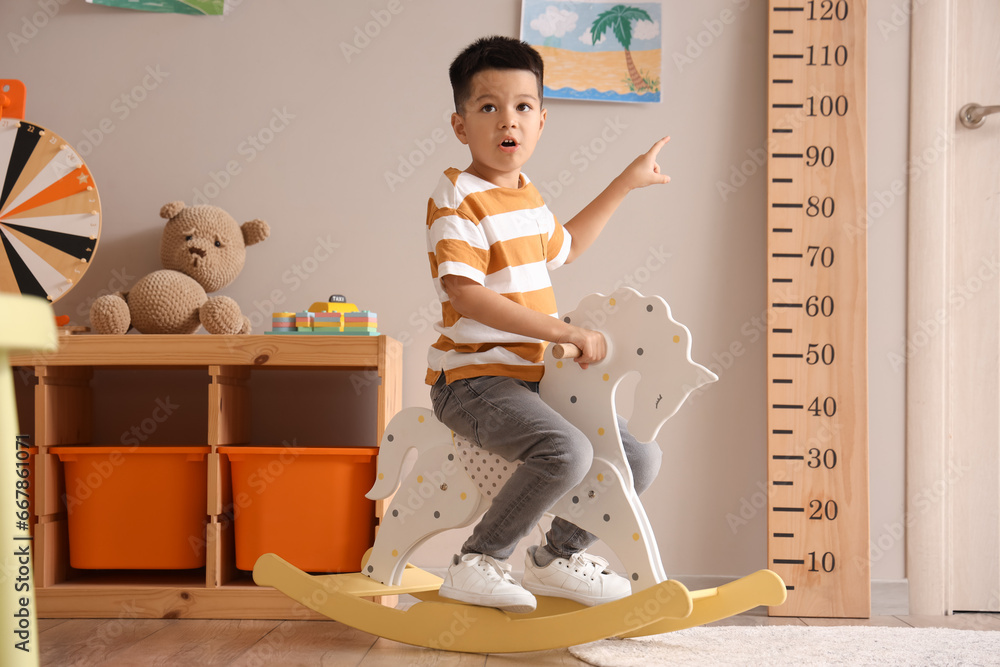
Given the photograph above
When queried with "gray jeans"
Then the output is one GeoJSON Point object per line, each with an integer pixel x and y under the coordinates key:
{"type": "Point", "coordinates": [506, 416]}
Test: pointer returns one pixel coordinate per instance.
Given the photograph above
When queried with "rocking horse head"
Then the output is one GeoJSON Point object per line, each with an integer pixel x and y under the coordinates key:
{"type": "Point", "coordinates": [643, 338]}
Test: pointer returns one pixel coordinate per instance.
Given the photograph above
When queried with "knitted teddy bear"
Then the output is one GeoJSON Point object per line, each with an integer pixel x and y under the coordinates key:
{"type": "Point", "coordinates": [203, 249]}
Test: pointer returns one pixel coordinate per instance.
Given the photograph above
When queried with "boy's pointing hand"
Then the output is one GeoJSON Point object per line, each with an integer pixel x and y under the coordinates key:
{"type": "Point", "coordinates": [644, 170]}
{"type": "Point", "coordinates": [588, 223]}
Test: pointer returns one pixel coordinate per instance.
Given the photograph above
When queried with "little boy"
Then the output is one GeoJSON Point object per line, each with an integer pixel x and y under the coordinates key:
{"type": "Point", "coordinates": [491, 242]}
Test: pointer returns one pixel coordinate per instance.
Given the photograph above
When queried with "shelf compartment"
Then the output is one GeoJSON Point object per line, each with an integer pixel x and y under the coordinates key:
{"type": "Point", "coordinates": [303, 407]}
{"type": "Point", "coordinates": [64, 413]}
{"type": "Point", "coordinates": [158, 406]}
{"type": "Point", "coordinates": [25, 383]}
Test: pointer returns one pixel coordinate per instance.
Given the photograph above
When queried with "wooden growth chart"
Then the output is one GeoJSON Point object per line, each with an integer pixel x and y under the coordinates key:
{"type": "Point", "coordinates": [817, 382]}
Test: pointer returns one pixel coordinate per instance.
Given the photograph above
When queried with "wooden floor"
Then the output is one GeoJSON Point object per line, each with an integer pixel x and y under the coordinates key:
{"type": "Point", "coordinates": [163, 642]}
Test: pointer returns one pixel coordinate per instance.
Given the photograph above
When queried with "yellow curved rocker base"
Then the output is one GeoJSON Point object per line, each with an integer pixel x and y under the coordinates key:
{"type": "Point", "coordinates": [763, 587]}
{"type": "Point", "coordinates": [556, 623]}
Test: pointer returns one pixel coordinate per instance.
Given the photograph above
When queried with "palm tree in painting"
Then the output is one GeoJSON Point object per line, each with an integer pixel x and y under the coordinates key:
{"type": "Point", "coordinates": [619, 19]}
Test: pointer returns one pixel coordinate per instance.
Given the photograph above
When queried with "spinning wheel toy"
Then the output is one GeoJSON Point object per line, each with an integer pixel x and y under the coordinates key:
{"type": "Point", "coordinates": [50, 212]}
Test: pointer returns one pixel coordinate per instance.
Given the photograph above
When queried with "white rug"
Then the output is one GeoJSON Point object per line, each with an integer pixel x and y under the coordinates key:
{"type": "Point", "coordinates": [796, 645]}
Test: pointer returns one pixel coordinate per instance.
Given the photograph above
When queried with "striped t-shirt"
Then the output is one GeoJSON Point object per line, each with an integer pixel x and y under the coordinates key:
{"type": "Point", "coordinates": [507, 240]}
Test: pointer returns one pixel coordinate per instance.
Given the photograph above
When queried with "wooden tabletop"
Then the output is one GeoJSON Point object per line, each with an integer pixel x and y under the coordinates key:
{"type": "Point", "coordinates": [203, 349]}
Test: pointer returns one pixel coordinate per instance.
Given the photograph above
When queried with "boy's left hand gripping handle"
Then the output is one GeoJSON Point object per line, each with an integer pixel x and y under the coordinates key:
{"type": "Point", "coordinates": [565, 351]}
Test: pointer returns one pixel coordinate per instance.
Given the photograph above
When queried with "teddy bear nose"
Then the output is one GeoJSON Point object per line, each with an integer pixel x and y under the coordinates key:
{"type": "Point", "coordinates": [196, 251]}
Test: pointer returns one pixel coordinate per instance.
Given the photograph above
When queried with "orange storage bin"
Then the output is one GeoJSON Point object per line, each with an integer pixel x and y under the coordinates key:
{"type": "Point", "coordinates": [136, 508]}
{"type": "Point", "coordinates": [305, 504]}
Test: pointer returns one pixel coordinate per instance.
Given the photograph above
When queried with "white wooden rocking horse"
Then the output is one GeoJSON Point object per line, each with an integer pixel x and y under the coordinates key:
{"type": "Point", "coordinates": [453, 481]}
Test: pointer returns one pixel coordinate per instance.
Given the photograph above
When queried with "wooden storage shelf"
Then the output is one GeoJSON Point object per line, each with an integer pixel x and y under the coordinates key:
{"type": "Point", "coordinates": [218, 376]}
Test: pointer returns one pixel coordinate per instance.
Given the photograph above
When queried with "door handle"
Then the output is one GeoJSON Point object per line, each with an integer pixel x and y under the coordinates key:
{"type": "Point", "coordinates": [973, 115]}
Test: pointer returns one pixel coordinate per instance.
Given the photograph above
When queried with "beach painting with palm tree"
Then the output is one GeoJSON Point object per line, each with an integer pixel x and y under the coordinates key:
{"type": "Point", "coordinates": [596, 50]}
{"type": "Point", "coordinates": [199, 7]}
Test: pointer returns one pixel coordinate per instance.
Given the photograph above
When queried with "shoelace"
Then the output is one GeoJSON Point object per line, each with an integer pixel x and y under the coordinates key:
{"type": "Point", "coordinates": [488, 563]}
{"type": "Point", "coordinates": [590, 565]}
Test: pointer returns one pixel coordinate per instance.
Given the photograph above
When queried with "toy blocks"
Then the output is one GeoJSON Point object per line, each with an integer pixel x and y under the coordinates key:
{"type": "Point", "coordinates": [327, 318]}
{"type": "Point", "coordinates": [283, 322]}
{"type": "Point", "coordinates": [304, 321]}
{"type": "Point", "coordinates": [361, 323]}
{"type": "Point", "coordinates": [324, 321]}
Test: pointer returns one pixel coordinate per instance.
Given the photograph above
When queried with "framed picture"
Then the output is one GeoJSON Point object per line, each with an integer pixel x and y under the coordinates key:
{"type": "Point", "coordinates": [204, 7]}
{"type": "Point", "coordinates": [596, 50]}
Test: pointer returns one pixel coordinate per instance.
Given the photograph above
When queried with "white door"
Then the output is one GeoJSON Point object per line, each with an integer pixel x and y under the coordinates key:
{"type": "Point", "coordinates": [975, 392]}
{"type": "Point", "coordinates": [953, 373]}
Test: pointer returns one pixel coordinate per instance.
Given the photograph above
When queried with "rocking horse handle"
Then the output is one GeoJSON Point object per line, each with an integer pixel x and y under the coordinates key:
{"type": "Point", "coordinates": [565, 351]}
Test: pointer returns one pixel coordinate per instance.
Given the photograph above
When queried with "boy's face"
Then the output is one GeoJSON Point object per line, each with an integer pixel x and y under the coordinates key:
{"type": "Point", "coordinates": [501, 123]}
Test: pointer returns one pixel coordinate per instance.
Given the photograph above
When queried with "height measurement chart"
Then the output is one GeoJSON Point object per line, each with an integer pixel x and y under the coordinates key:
{"type": "Point", "coordinates": [817, 377]}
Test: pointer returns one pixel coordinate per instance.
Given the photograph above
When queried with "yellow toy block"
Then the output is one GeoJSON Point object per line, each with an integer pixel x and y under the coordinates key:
{"type": "Point", "coordinates": [332, 307]}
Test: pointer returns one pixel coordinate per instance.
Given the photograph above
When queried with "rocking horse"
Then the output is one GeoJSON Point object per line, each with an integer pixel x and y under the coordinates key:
{"type": "Point", "coordinates": [453, 481]}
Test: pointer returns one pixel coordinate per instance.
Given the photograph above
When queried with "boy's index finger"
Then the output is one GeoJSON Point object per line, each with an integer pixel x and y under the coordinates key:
{"type": "Point", "coordinates": [657, 146]}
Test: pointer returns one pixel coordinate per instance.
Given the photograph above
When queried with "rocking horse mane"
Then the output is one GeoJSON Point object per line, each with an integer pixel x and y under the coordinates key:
{"type": "Point", "coordinates": [644, 339]}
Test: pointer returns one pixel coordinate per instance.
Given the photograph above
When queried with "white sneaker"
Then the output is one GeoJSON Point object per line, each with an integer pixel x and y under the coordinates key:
{"type": "Point", "coordinates": [482, 580]}
{"type": "Point", "coordinates": [581, 577]}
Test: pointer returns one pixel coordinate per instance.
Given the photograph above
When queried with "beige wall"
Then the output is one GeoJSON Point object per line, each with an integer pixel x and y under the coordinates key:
{"type": "Point", "coordinates": [161, 106]}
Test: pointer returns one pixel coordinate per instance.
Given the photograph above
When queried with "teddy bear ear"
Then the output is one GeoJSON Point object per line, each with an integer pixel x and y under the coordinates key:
{"type": "Point", "coordinates": [170, 210]}
{"type": "Point", "coordinates": [255, 231]}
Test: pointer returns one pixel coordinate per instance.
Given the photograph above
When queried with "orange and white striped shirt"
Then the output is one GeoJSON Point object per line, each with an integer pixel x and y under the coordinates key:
{"type": "Point", "coordinates": [507, 240]}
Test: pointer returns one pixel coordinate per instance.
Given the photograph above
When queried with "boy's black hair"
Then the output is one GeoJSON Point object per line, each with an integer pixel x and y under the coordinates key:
{"type": "Point", "coordinates": [494, 52]}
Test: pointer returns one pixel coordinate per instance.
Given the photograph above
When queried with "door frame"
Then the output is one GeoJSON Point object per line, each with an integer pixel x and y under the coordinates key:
{"type": "Point", "coordinates": [931, 211]}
